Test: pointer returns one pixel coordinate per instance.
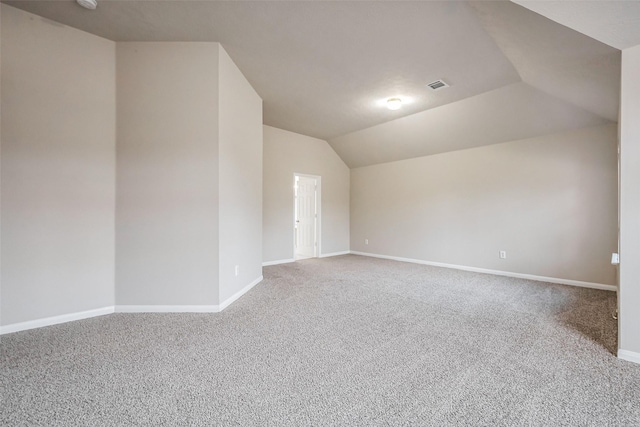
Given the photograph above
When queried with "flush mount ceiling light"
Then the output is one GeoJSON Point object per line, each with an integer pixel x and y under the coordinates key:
{"type": "Point", "coordinates": [88, 4]}
{"type": "Point", "coordinates": [394, 103]}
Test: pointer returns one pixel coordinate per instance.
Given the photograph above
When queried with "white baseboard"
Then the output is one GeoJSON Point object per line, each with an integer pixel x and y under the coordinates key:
{"type": "Point", "coordinates": [592, 285]}
{"type": "Point", "coordinates": [335, 254]}
{"type": "Point", "coordinates": [238, 294]}
{"type": "Point", "coordinates": [279, 261]}
{"type": "Point", "coordinates": [48, 321]}
{"type": "Point", "coordinates": [54, 320]}
{"type": "Point", "coordinates": [287, 261]}
{"type": "Point", "coordinates": [187, 308]}
{"type": "Point", "coordinates": [629, 356]}
{"type": "Point", "coordinates": [167, 309]}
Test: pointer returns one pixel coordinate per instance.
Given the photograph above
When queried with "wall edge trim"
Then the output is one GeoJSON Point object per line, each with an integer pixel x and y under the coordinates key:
{"type": "Point", "coordinates": [334, 254]}
{"type": "Point", "coordinates": [125, 308]}
{"type": "Point", "coordinates": [278, 261]}
{"type": "Point", "coordinates": [55, 320]}
{"type": "Point", "coordinates": [133, 308]}
{"type": "Point", "coordinates": [570, 282]}
{"type": "Point", "coordinates": [629, 356]}
{"type": "Point", "coordinates": [238, 294]}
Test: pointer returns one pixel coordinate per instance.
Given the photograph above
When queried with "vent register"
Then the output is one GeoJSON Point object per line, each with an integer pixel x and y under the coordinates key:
{"type": "Point", "coordinates": [438, 85]}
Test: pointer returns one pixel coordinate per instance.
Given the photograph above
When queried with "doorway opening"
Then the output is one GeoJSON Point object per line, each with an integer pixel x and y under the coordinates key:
{"type": "Point", "coordinates": [306, 216]}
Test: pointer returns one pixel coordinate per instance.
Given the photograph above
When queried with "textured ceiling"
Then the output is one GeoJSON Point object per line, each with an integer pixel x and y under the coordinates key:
{"type": "Point", "coordinates": [513, 112]}
{"type": "Point", "coordinates": [554, 58]}
{"type": "Point", "coordinates": [616, 23]}
{"type": "Point", "coordinates": [324, 68]}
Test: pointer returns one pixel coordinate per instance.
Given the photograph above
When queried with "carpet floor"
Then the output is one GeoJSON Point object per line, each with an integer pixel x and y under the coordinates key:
{"type": "Point", "coordinates": [340, 341]}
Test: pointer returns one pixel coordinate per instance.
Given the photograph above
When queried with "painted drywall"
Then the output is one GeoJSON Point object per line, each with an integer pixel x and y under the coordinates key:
{"type": "Point", "coordinates": [58, 169]}
{"type": "Point", "coordinates": [549, 202]}
{"type": "Point", "coordinates": [555, 58]}
{"type": "Point", "coordinates": [513, 112]}
{"type": "Point", "coordinates": [167, 174]}
{"type": "Point", "coordinates": [240, 179]}
{"type": "Point", "coordinates": [629, 291]}
{"type": "Point", "coordinates": [286, 153]}
{"type": "Point", "coordinates": [0, 166]}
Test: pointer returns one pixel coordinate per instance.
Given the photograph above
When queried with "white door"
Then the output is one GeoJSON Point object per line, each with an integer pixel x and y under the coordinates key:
{"type": "Point", "coordinates": [305, 217]}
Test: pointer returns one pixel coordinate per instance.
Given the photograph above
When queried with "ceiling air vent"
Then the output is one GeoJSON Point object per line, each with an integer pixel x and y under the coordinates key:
{"type": "Point", "coordinates": [438, 84]}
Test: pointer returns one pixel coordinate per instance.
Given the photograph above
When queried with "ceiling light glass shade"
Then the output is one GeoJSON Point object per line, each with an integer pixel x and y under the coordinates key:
{"type": "Point", "coordinates": [88, 4]}
{"type": "Point", "coordinates": [394, 103]}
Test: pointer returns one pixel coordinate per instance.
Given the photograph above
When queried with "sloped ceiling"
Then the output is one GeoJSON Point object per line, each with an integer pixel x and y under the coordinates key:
{"type": "Point", "coordinates": [324, 68]}
{"type": "Point", "coordinates": [321, 67]}
{"type": "Point", "coordinates": [554, 58]}
{"type": "Point", "coordinates": [513, 112]}
{"type": "Point", "coordinates": [614, 22]}
{"type": "Point", "coordinates": [572, 81]}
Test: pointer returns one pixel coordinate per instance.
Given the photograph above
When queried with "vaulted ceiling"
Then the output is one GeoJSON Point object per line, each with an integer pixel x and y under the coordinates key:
{"type": "Point", "coordinates": [616, 23]}
{"type": "Point", "coordinates": [325, 68]}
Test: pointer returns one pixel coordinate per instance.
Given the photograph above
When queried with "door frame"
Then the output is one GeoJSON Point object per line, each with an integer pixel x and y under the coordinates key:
{"type": "Point", "coordinates": [318, 178]}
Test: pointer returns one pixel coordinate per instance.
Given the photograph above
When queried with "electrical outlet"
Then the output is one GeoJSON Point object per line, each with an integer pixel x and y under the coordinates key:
{"type": "Point", "coordinates": [237, 270]}
{"type": "Point", "coordinates": [366, 241]}
{"type": "Point", "coordinates": [503, 254]}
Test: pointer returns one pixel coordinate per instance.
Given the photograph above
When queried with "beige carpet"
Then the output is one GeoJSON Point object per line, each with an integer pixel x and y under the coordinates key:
{"type": "Point", "coordinates": [340, 341]}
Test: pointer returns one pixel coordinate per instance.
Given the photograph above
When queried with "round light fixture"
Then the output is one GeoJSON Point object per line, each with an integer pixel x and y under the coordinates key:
{"type": "Point", "coordinates": [88, 4]}
{"type": "Point", "coordinates": [394, 103]}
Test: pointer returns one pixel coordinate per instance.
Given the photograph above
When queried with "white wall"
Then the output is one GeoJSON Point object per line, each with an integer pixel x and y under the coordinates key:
{"type": "Point", "coordinates": [1, 8]}
{"type": "Point", "coordinates": [550, 202]}
{"type": "Point", "coordinates": [629, 291]}
{"type": "Point", "coordinates": [167, 169]}
{"type": "Point", "coordinates": [58, 169]}
{"type": "Point", "coordinates": [286, 153]}
{"type": "Point", "coordinates": [240, 180]}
